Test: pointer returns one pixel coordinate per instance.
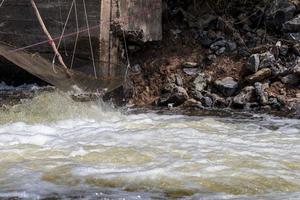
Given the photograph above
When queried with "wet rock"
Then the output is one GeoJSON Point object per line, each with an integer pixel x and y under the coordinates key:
{"type": "Point", "coordinates": [259, 75]}
{"type": "Point", "coordinates": [201, 81]}
{"type": "Point", "coordinates": [293, 25]}
{"type": "Point", "coordinates": [190, 65]}
{"type": "Point", "coordinates": [291, 79]}
{"type": "Point", "coordinates": [261, 94]}
{"type": "Point", "coordinates": [253, 63]}
{"type": "Point", "coordinates": [247, 95]}
{"type": "Point", "coordinates": [227, 86]}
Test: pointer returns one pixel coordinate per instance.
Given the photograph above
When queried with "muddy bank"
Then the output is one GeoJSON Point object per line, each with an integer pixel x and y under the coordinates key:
{"type": "Point", "coordinates": [244, 57]}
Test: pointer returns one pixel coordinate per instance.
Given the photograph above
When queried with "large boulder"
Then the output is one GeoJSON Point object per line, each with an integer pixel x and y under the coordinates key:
{"type": "Point", "coordinates": [176, 98]}
{"type": "Point", "coordinates": [247, 95]}
{"type": "Point", "coordinates": [201, 82]}
{"type": "Point", "coordinates": [227, 86]}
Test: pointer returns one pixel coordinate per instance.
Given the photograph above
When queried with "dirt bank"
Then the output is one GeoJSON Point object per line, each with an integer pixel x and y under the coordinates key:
{"type": "Point", "coordinates": [245, 56]}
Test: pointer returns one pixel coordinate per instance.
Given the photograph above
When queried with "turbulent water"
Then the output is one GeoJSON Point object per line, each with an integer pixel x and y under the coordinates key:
{"type": "Point", "coordinates": [53, 147]}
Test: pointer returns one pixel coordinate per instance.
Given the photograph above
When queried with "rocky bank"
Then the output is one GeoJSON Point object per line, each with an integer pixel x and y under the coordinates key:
{"type": "Point", "coordinates": [232, 54]}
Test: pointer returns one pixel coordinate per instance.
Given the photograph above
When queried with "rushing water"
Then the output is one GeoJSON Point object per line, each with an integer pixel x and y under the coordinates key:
{"type": "Point", "coordinates": [54, 147]}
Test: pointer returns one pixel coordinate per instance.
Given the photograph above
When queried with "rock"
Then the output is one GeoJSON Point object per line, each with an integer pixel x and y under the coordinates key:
{"type": "Point", "coordinates": [283, 50]}
{"type": "Point", "coordinates": [261, 94]}
{"type": "Point", "coordinates": [291, 79]}
{"type": "Point", "coordinates": [178, 80]}
{"type": "Point", "coordinates": [191, 71]}
{"type": "Point", "coordinates": [212, 57]}
{"type": "Point", "coordinates": [207, 102]}
{"type": "Point", "coordinates": [190, 65]}
{"type": "Point", "coordinates": [136, 68]}
{"type": "Point", "coordinates": [218, 101]}
{"type": "Point", "coordinates": [192, 103]}
{"type": "Point", "coordinates": [177, 98]}
{"type": "Point", "coordinates": [274, 103]}
{"type": "Point", "coordinates": [259, 75]}
{"type": "Point", "coordinates": [201, 82]}
{"type": "Point", "coordinates": [294, 36]}
{"type": "Point", "coordinates": [280, 12]}
{"type": "Point", "coordinates": [227, 86]}
{"type": "Point", "coordinates": [244, 52]}
{"type": "Point", "coordinates": [293, 25]}
{"type": "Point", "coordinates": [218, 44]}
{"type": "Point", "coordinates": [220, 51]}
{"type": "Point", "coordinates": [266, 60]}
{"type": "Point", "coordinates": [296, 69]}
{"type": "Point", "coordinates": [253, 63]}
{"type": "Point", "coordinates": [279, 70]}
{"type": "Point", "coordinates": [247, 95]}
{"type": "Point", "coordinates": [296, 49]}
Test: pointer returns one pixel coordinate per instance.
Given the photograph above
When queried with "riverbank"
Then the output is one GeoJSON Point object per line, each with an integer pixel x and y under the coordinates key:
{"type": "Point", "coordinates": [245, 57]}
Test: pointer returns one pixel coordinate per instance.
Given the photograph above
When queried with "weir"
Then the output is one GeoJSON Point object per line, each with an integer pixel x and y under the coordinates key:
{"type": "Point", "coordinates": [85, 33]}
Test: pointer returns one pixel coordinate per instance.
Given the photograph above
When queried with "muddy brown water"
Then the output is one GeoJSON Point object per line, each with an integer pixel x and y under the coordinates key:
{"type": "Point", "coordinates": [53, 147]}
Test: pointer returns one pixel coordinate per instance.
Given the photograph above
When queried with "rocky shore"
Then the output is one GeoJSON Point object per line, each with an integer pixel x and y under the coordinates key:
{"type": "Point", "coordinates": [244, 57]}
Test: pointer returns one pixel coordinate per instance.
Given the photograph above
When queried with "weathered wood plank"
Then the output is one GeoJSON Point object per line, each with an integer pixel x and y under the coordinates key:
{"type": "Point", "coordinates": [145, 15]}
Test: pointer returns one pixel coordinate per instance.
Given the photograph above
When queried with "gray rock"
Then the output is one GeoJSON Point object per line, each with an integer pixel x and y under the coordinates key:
{"type": "Point", "coordinates": [247, 95]}
{"type": "Point", "coordinates": [191, 71]}
{"type": "Point", "coordinates": [176, 98]}
{"type": "Point", "coordinates": [266, 60]}
{"type": "Point", "coordinates": [178, 80]}
{"type": "Point", "coordinates": [283, 50]}
{"type": "Point", "coordinates": [296, 49]}
{"type": "Point", "coordinates": [207, 102]}
{"type": "Point", "coordinates": [212, 57]}
{"type": "Point", "coordinates": [227, 86]}
{"type": "Point", "coordinates": [261, 94]}
{"type": "Point", "coordinates": [291, 79]}
{"type": "Point", "coordinates": [294, 36]}
{"type": "Point", "coordinates": [220, 51]}
{"type": "Point", "coordinates": [296, 69]}
{"type": "Point", "coordinates": [280, 12]}
{"type": "Point", "coordinates": [253, 63]}
{"type": "Point", "coordinates": [279, 70]}
{"type": "Point", "coordinates": [293, 25]}
{"type": "Point", "coordinates": [201, 81]}
{"type": "Point", "coordinates": [274, 103]}
{"type": "Point", "coordinates": [259, 75]}
{"type": "Point", "coordinates": [137, 68]}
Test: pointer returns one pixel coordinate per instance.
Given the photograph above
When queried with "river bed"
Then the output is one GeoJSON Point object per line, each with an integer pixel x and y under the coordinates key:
{"type": "Point", "coordinates": [53, 147]}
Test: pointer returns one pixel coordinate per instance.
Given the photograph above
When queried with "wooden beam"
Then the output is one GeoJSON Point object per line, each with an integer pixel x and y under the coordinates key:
{"type": "Point", "coordinates": [105, 20]}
